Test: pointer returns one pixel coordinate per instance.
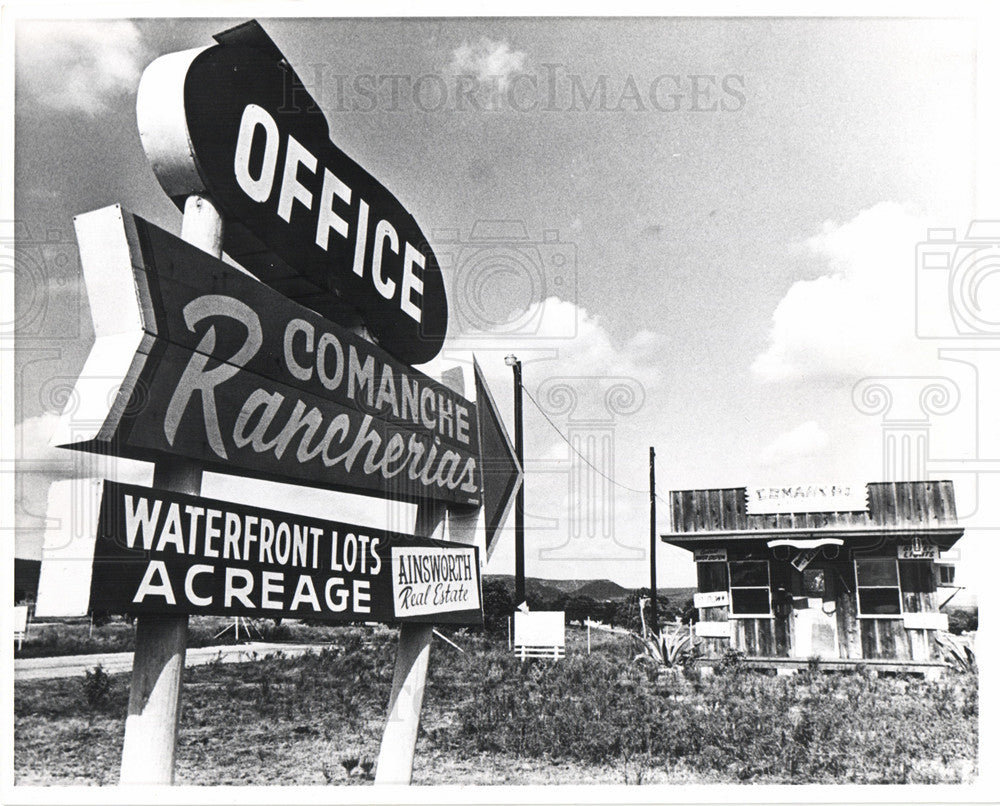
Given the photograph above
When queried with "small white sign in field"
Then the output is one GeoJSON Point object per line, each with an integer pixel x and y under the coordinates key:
{"type": "Point", "coordinates": [20, 623]}
{"type": "Point", "coordinates": [540, 634]}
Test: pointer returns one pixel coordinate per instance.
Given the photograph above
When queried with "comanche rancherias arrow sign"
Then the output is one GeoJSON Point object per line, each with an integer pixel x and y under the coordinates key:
{"type": "Point", "coordinates": [204, 362]}
{"type": "Point", "coordinates": [502, 473]}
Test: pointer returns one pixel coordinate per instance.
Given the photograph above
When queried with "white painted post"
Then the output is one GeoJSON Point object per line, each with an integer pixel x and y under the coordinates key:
{"type": "Point", "coordinates": [399, 739]}
{"type": "Point", "coordinates": [150, 744]}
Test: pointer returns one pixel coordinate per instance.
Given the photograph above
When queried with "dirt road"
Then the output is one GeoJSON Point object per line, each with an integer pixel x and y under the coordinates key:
{"type": "Point", "coordinates": [119, 662]}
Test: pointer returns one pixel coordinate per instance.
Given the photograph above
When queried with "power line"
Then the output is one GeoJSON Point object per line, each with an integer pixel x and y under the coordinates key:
{"type": "Point", "coordinates": [590, 464]}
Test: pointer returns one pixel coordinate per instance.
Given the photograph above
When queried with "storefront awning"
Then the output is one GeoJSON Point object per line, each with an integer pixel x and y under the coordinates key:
{"type": "Point", "coordinates": [805, 542]}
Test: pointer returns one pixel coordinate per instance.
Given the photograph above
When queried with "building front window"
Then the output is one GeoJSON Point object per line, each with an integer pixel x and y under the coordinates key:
{"type": "Point", "coordinates": [750, 588]}
{"type": "Point", "coordinates": [878, 586]}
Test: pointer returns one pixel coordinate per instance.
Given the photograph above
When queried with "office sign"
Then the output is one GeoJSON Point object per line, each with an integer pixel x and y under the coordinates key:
{"type": "Point", "coordinates": [164, 552]}
{"type": "Point", "coordinates": [800, 498]}
{"type": "Point", "coordinates": [234, 122]}
{"type": "Point", "coordinates": [710, 555]}
{"type": "Point", "coordinates": [196, 359]}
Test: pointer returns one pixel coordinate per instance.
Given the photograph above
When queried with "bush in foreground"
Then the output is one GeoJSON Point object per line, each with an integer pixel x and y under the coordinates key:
{"type": "Point", "coordinates": [744, 726]}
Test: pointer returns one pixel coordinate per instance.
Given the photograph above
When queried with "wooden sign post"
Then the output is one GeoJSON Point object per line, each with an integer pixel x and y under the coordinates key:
{"type": "Point", "coordinates": [154, 702]}
{"type": "Point", "coordinates": [399, 739]}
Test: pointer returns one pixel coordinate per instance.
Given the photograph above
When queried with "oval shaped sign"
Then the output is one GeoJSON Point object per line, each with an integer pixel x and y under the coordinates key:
{"type": "Point", "coordinates": [233, 121]}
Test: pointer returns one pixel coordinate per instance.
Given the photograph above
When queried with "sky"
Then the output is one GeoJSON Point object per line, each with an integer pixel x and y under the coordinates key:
{"type": "Point", "coordinates": [700, 235]}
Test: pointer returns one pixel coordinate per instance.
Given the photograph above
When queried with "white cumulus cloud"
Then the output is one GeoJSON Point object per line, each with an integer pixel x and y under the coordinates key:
{"type": "Point", "coordinates": [857, 318]}
{"type": "Point", "coordinates": [80, 65]}
{"type": "Point", "coordinates": [488, 60]}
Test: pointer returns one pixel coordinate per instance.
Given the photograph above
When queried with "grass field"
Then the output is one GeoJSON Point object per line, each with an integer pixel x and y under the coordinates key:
{"type": "Point", "coordinates": [490, 719]}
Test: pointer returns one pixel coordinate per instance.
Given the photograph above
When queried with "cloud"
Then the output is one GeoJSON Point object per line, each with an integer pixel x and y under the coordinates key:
{"type": "Point", "coordinates": [81, 65]}
{"type": "Point", "coordinates": [857, 318]}
{"type": "Point", "coordinates": [600, 392]}
{"type": "Point", "coordinates": [803, 441]}
{"type": "Point", "coordinates": [488, 60]}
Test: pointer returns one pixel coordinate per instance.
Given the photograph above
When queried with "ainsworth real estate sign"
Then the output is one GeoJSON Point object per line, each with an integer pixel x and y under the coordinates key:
{"type": "Point", "coordinates": [164, 552]}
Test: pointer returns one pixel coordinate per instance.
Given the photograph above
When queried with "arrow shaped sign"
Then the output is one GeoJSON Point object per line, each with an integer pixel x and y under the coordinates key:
{"type": "Point", "coordinates": [196, 359]}
{"type": "Point", "coordinates": [502, 473]}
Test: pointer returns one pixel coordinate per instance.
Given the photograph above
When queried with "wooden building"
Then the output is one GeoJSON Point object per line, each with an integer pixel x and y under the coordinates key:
{"type": "Point", "coordinates": [838, 588]}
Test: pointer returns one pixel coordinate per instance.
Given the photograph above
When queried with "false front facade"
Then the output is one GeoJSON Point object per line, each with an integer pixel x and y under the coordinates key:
{"type": "Point", "coordinates": [844, 586]}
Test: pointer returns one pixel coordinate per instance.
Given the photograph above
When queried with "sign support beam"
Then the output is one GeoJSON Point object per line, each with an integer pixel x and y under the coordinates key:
{"type": "Point", "coordinates": [150, 744]}
{"type": "Point", "coordinates": [399, 739]}
{"type": "Point", "coordinates": [652, 542]}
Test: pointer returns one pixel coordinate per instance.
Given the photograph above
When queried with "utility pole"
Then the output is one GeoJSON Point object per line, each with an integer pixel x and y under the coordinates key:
{"type": "Point", "coordinates": [519, 594]}
{"type": "Point", "coordinates": [652, 538]}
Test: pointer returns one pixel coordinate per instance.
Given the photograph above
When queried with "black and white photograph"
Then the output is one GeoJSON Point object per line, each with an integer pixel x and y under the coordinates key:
{"type": "Point", "coordinates": [452, 404]}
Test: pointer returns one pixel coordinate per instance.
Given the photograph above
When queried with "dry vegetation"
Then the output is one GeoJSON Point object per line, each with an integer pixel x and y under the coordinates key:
{"type": "Point", "coordinates": [491, 719]}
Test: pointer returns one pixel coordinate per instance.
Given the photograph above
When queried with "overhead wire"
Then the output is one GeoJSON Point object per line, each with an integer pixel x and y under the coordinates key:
{"type": "Point", "coordinates": [584, 458]}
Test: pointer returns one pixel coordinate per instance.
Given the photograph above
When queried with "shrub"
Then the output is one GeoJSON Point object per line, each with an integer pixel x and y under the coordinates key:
{"type": "Point", "coordinates": [97, 688]}
{"type": "Point", "coordinates": [741, 727]}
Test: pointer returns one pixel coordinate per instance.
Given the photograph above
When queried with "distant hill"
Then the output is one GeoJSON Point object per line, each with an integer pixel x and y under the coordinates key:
{"type": "Point", "coordinates": [598, 589]}
{"type": "Point", "coordinates": [601, 589]}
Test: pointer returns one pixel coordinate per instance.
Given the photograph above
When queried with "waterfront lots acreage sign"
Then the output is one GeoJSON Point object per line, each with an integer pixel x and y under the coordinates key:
{"type": "Point", "coordinates": [196, 359]}
{"type": "Point", "coordinates": [164, 552]}
{"type": "Point", "coordinates": [792, 498]}
{"type": "Point", "coordinates": [233, 121]}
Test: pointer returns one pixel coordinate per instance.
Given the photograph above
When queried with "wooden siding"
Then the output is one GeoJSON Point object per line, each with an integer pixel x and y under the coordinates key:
{"type": "Point", "coordinates": [891, 505]}
{"type": "Point", "coordinates": [755, 636]}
